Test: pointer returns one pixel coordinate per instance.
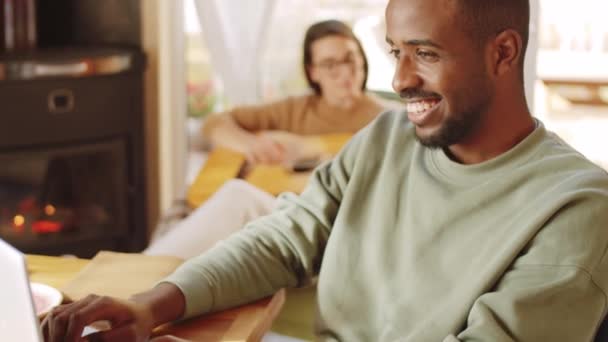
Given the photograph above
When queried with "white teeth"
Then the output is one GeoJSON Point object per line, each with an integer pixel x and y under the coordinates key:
{"type": "Point", "coordinates": [420, 106]}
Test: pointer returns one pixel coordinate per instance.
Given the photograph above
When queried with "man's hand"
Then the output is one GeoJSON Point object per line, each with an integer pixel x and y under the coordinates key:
{"type": "Point", "coordinates": [168, 338]}
{"type": "Point", "coordinates": [130, 321]}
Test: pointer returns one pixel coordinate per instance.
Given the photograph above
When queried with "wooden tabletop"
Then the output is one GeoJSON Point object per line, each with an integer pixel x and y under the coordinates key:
{"type": "Point", "coordinates": [245, 323]}
{"type": "Point", "coordinates": [223, 165]}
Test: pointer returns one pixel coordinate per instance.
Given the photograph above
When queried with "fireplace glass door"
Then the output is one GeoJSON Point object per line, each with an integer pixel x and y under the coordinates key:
{"type": "Point", "coordinates": [56, 200]}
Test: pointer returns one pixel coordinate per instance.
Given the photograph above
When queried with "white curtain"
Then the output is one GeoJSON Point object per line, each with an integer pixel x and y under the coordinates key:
{"type": "Point", "coordinates": [281, 68]}
{"type": "Point", "coordinates": [257, 54]}
{"type": "Point", "coordinates": [235, 32]}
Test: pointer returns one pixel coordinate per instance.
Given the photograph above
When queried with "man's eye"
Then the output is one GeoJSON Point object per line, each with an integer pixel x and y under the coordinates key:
{"type": "Point", "coordinates": [428, 56]}
{"type": "Point", "coordinates": [394, 52]}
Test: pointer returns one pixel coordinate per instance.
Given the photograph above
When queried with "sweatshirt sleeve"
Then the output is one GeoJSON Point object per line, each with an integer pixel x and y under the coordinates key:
{"type": "Point", "coordinates": [556, 289]}
{"type": "Point", "coordinates": [265, 117]}
{"type": "Point", "coordinates": [283, 249]}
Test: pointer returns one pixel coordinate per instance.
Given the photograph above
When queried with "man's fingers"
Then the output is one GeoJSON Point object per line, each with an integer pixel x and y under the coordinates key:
{"type": "Point", "coordinates": [102, 308]}
{"type": "Point", "coordinates": [46, 321]}
{"type": "Point", "coordinates": [126, 332]}
{"type": "Point", "coordinates": [168, 338]}
{"type": "Point", "coordinates": [56, 322]}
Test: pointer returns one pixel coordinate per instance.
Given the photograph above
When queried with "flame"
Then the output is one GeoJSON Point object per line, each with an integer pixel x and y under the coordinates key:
{"type": "Point", "coordinates": [45, 226]}
{"type": "Point", "coordinates": [18, 221]}
{"type": "Point", "coordinates": [49, 210]}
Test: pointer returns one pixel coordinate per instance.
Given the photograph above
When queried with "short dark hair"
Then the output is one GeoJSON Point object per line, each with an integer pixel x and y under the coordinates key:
{"type": "Point", "coordinates": [486, 18]}
{"type": "Point", "coordinates": [325, 29]}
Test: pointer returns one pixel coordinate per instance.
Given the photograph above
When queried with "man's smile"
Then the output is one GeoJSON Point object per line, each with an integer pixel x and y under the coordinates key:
{"type": "Point", "coordinates": [418, 111]}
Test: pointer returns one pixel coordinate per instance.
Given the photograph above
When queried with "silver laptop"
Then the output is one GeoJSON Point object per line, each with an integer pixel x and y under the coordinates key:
{"type": "Point", "coordinates": [18, 320]}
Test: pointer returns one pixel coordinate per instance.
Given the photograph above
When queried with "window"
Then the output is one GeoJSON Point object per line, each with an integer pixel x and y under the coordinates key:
{"type": "Point", "coordinates": [572, 86]}
{"type": "Point", "coordinates": [282, 72]}
{"type": "Point", "coordinates": [203, 86]}
{"type": "Point", "coordinates": [571, 91]}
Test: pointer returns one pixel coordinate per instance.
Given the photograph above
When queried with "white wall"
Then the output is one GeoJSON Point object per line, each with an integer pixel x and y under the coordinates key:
{"type": "Point", "coordinates": [163, 42]}
{"type": "Point", "coordinates": [530, 62]}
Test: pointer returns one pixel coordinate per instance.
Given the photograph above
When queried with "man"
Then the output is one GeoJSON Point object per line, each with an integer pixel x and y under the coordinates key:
{"type": "Point", "coordinates": [472, 223]}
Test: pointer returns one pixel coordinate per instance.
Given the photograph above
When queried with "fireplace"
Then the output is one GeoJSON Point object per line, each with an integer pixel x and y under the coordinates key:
{"type": "Point", "coordinates": [71, 151]}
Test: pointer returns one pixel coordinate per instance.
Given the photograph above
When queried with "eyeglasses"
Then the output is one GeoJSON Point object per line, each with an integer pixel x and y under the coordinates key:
{"type": "Point", "coordinates": [331, 65]}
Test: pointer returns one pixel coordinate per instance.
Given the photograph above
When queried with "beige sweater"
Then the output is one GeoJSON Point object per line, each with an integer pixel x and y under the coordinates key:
{"type": "Point", "coordinates": [308, 115]}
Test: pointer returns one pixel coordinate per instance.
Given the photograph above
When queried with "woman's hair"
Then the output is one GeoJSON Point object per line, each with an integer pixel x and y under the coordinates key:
{"type": "Point", "coordinates": [325, 29]}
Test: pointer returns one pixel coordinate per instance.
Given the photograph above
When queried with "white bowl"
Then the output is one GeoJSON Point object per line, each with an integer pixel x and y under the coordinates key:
{"type": "Point", "coordinates": [45, 298]}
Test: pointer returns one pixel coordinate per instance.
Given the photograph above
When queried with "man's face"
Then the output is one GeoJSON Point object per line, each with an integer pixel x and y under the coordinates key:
{"type": "Point", "coordinates": [337, 66]}
{"type": "Point", "coordinates": [440, 72]}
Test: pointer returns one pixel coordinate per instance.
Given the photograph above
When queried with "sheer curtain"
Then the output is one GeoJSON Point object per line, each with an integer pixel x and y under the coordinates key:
{"type": "Point", "coordinates": [281, 69]}
{"type": "Point", "coordinates": [235, 32]}
{"type": "Point", "coordinates": [255, 46]}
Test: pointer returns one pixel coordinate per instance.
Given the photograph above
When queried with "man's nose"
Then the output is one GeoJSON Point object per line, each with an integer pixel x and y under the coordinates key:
{"type": "Point", "coordinates": [406, 75]}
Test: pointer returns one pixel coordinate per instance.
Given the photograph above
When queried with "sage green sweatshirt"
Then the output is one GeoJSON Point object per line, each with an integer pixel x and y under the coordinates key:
{"type": "Point", "coordinates": [411, 246]}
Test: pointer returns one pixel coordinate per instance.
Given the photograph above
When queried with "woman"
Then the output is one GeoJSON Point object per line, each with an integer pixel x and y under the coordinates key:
{"type": "Point", "coordinates": [336, 70]}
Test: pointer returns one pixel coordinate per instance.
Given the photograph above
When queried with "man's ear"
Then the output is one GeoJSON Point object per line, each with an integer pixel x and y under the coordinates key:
{"type": "Point", "coordinates": [507, 52]}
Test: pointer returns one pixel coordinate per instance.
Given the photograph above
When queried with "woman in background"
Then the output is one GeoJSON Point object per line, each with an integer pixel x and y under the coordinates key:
{"type": "Point", "coordinates": [336, 69]}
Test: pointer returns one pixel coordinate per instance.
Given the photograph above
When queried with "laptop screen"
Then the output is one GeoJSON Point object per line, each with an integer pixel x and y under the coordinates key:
{"type": "Point", "coordinates": [18, 320]}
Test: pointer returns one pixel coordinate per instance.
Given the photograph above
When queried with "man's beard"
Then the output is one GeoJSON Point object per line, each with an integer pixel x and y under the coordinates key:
{"type": "Point", "coordinates": [453, 130]}
{"type": "Point", "coordinates": [462, 123]}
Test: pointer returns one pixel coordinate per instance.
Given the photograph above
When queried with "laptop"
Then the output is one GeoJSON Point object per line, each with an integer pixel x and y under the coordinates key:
{"type": "Point", "coordinates": [18, 319]}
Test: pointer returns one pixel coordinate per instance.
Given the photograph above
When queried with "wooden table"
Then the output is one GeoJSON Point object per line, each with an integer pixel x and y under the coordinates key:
{"type": "Point", "coordinates": [223, 165]}
{"type": "Point", "coordinates": [245, 323]}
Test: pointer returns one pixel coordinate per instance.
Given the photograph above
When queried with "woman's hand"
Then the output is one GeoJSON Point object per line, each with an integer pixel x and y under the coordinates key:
{"type": "Point", "coordinates": [296, 148]}
{"type": "Point", "coordinates": [278, 147]}
{"type": "Point", "coordinates": [264, 149]}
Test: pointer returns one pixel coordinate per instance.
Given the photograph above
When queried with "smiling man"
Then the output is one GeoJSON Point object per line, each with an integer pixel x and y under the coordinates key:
{"type": "Point", "coordinates": [460, 70]}
{"type": "Point", "coordinates": [462, 219]}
